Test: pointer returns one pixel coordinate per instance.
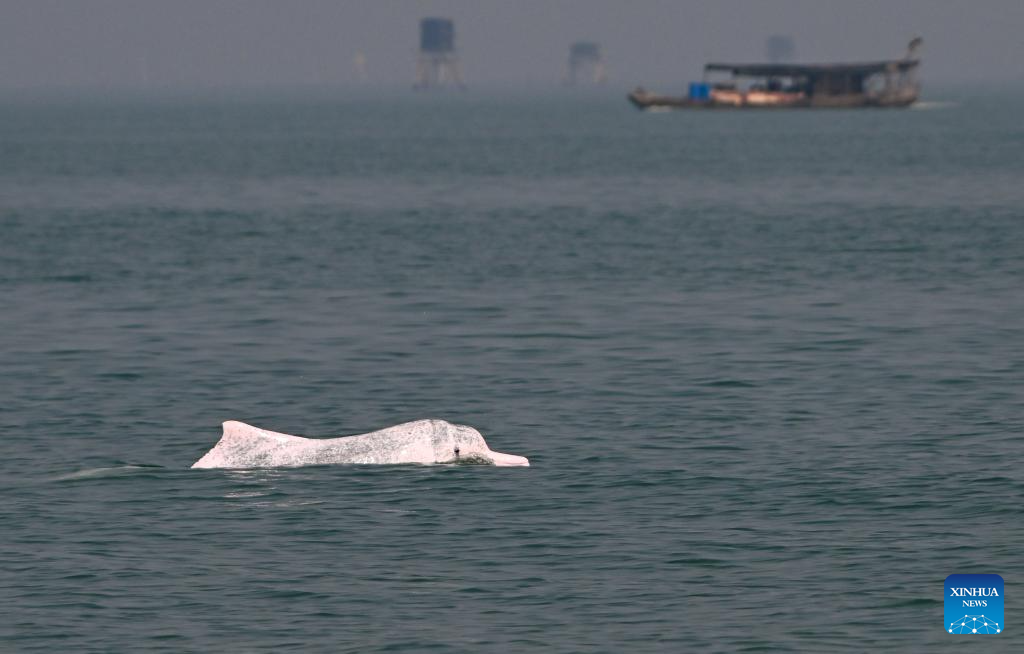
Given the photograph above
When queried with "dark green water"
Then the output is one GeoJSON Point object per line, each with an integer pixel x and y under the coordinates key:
{"type": "Point", "coordinates": [767, 368]}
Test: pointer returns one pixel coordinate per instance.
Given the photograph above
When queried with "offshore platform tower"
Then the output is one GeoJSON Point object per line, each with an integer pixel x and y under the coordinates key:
{"type": "Point", "coordinates": [438, 65]}
{"type": "Point", "coordinates": [585, 55]}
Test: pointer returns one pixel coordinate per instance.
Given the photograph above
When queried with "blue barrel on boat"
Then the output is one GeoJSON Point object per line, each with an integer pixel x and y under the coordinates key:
{"type": "Point", "coordinates": [700, 91]}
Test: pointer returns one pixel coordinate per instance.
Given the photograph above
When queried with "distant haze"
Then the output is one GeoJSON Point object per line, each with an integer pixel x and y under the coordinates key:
{"type": "Point", "coordinates": [267, 43]}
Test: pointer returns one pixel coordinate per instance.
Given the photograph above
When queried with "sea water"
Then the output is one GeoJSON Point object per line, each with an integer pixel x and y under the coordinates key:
{"type": "Point", "coordinates": [767, 368]}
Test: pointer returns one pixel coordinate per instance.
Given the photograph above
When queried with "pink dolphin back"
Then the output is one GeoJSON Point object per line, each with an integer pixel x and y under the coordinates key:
{"type": "Point", "coordinates": [422, 441]}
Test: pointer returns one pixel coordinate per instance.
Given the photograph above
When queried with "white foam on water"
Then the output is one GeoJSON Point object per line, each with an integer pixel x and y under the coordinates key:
{"type": "Point", "coordinates": [95, 473]}
{"type": "Point", "coordinates": [929, 105]}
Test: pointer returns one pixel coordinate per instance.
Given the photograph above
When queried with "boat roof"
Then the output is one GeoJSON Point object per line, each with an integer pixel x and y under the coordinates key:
{"type": "Point", "coordinates": [808, 70]}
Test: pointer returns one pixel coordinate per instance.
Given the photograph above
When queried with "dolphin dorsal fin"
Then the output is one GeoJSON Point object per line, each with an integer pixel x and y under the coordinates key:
{"type": "Point", "coordinates": [242, 439]}
{"type": "Point", "coordinates": [235, 431]}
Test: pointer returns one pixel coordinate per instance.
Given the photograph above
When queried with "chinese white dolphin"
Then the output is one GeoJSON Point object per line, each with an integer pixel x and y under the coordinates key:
{"type": "Point", "coordinates": [422, 441]}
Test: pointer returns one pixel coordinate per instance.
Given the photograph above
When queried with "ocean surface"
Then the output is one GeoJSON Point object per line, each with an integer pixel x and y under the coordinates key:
{"type": "Point", "coordinates": [768, 369]}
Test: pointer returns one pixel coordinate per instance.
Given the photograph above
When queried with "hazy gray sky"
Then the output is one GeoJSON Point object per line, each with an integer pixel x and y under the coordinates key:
{"type": "Point", "coordinates": [247, 43]}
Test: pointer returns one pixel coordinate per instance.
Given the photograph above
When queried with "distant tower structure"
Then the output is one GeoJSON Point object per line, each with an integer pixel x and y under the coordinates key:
{"type": "Point", "coordinates": [779, 48]}
{"type": "Point", "coordinates": [438, 64]}
{"type": "Point", "coordinates": [584, 56]}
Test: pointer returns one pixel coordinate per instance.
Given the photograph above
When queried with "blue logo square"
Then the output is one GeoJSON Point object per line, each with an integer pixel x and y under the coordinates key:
{"type": "Point", "coordinates": [974, 604]}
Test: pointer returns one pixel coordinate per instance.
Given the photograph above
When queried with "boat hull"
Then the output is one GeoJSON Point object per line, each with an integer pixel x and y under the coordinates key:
{"type": "Point", "coordinates": [651, 101]}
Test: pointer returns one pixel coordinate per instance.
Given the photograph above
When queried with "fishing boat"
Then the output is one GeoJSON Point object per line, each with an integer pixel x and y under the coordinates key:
{"type": "Point", "coordinates": [887, 83]}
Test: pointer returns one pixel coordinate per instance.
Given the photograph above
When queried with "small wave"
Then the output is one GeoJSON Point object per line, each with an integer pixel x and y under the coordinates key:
{"type": "Point", "coordinates": [99, 473]}
{"type": "Point", "coordinates": [290, 503]}
{"type": "Point", "coordinates": [933, 104]}
{"type": "Point", "coordinates": [730, 383]}
{"type": "Point", "coordinates": [235, 495]}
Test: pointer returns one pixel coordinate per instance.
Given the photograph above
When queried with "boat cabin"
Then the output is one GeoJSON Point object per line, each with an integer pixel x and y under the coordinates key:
{"type": "Point", "coordinates": [880, 83]}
